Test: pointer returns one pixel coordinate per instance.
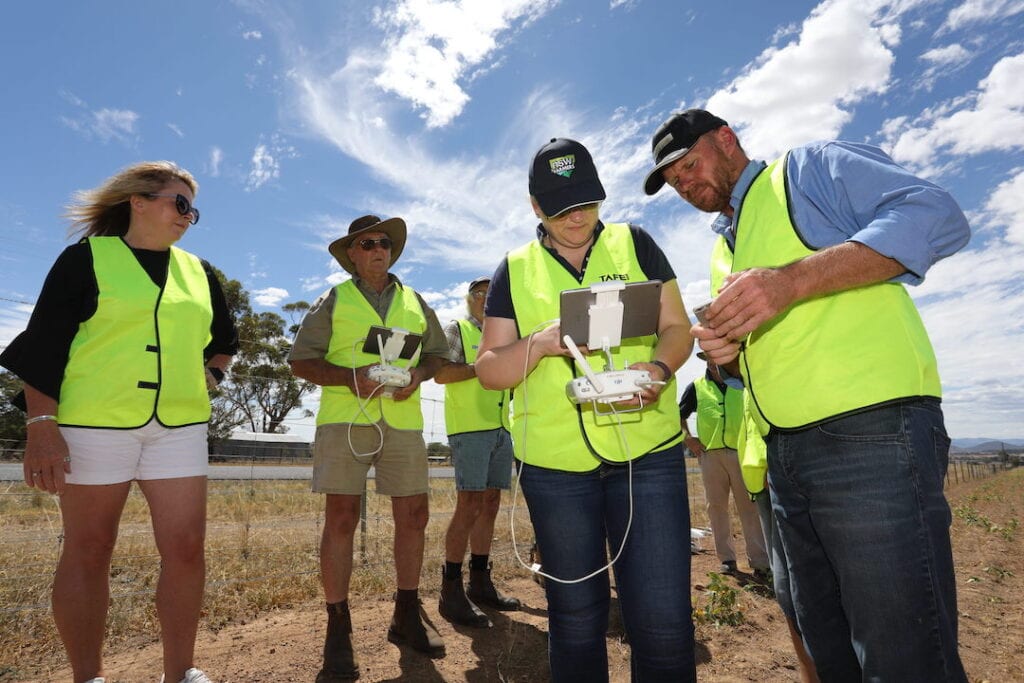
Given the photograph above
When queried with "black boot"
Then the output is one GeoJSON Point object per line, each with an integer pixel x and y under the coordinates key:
{"type": "Point", "coordinates": [456, 607]}
{"type": "Point", "coordinates": [410, 626]}
{"type": "Point", "coordinates": [482, 591]}
{"type": "Point", "coordinates": [339, 658]}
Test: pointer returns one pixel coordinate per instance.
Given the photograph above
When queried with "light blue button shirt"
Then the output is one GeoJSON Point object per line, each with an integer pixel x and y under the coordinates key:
{"type": "Point", "coordinates": [847, 191]}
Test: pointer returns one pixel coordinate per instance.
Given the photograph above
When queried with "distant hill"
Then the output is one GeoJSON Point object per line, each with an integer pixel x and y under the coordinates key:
{"type": "Point", "coordinates": [983, 445]}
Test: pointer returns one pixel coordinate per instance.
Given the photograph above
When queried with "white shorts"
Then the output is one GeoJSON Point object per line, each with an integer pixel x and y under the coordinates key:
{"type": "Point", "coordinates": [112, 456]}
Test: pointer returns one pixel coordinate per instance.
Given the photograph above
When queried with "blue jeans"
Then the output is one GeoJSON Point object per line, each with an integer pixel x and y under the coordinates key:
{"type": "Point", "coordinates": [577, 519]}
{"type": "Point", "coordinates": [865, 527]}
{"type": "Point", "coordinates": [776, 554]}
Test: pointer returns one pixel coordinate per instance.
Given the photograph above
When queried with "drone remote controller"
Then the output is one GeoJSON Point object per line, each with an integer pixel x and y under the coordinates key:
{"type": "Point", "coordinates": [391, 376]}
{"type": "Point", "coordinates": [610, 386]}
{"type": "Point", "coordinates": [616, 386]}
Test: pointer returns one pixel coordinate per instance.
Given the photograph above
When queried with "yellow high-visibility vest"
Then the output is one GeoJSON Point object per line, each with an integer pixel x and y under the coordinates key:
{"type": "Point", "coordinates": [140, 355]}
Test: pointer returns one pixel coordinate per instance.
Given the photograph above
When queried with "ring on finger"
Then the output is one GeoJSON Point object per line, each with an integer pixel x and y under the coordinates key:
{"type": "Point", "coordinates": [37, 473]}
{"type": "Point", "coordinates": [67, 458]}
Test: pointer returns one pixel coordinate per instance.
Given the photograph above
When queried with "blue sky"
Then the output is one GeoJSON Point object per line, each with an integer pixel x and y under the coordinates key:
{"type": "Point", "coordinates": [298, 116]}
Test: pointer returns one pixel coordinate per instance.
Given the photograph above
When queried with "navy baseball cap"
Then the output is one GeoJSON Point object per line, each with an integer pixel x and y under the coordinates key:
{"type": "Point", "coordinates": [563, 176]}
{"type": "Point", "coordinates": [675, 138]}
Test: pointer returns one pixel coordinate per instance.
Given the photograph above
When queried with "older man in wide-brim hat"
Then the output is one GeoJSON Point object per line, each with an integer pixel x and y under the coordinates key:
{"type": "Point", "coordinates": [358, 426]}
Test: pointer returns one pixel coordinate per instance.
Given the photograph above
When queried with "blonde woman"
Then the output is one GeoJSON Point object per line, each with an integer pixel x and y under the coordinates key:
{"type": "Point", "coordinates": [126, 337]}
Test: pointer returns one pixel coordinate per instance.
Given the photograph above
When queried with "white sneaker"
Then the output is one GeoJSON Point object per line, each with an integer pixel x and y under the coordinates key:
{"type": "Point", "coordinates": [193, 675]}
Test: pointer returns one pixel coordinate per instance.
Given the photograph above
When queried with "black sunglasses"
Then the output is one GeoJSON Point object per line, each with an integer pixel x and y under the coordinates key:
{"type": "Point", "coordinates": [368, 244]}
{"type": "Point", "coordinates": [181, 203]}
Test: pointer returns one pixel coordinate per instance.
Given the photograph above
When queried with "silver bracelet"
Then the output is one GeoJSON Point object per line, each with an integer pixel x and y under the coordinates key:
{"type": "Point", "coordinates": [40, 418]}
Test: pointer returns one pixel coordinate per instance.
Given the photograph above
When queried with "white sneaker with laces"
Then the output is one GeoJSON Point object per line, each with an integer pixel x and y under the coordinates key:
{"type": "Point", "coordinates": [193, 675]}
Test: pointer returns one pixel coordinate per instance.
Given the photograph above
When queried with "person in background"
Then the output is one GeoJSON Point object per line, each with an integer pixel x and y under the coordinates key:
{"type": "Point", "coordinates": [595, 482]}
{"type": "Point", "coordinates": [358, 425]}
{"type": "Point", "coordinates": [476, 420]}
{"type": "Point", "coordinates": [719, 411]}
{"type": "Point", "coordinates": [127, 336]}
{"type": "Point", "coordinates": [843, 381]}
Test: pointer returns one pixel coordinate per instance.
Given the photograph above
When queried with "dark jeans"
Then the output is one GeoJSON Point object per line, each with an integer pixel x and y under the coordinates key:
{"type": "Point", "coordinates": [865, 527]}
{"type": "Point", "coordinates": [776, 554]}
{"type": "Point", "coordinates": [577, 519]}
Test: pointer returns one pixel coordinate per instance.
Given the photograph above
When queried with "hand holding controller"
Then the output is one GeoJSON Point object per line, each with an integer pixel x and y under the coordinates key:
{"type": "Point", "coordinates": [392, 377]}
{"type": "Point", "coordinates": [616, 386]}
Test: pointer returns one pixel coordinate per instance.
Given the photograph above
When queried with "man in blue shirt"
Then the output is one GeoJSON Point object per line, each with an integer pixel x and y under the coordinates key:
{"type": "Point", "coordinates": [843, 380]}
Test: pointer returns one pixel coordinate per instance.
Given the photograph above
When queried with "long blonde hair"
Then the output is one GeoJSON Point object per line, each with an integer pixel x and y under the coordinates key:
{"type": "Point", "coordinates": [105, 210]}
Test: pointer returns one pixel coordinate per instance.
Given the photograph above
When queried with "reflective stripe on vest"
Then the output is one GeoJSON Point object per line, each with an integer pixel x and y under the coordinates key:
{"type": "Point", "coordinates": [718, 418]}
{"type": "Point", "coordinates": [829, 355]}
{"type": "Point", "coordinates": [468, 407]}
{"type": "Point", "coordinates": [561, 435]}
{"type": "Point", "coordinates": [353, 316]}
{"type": "Point", "coordinates": [140, 355]}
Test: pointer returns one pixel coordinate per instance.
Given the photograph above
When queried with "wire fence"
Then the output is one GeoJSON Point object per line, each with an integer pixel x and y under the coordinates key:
{"type": "Point", "coordinates": [261, 530]}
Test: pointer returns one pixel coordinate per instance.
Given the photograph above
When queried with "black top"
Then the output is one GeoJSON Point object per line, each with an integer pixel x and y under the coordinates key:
{"type": "Point", "coordinates": [69, 297]}
{"type": "Point", "coordinates": [650, 256]}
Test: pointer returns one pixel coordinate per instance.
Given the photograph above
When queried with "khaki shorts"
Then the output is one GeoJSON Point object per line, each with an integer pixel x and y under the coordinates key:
{"type": "Point", "coordinates": [400, 466]}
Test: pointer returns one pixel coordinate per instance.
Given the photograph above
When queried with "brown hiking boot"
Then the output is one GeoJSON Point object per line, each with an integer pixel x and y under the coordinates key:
{"type": "Point", "coordinates": [340, 663]}
{"type": "Point", "coordinates": [456, 607]}
{"type": "Point", "coordinates": [482, 591]}
{"type": "Point", "coordinates": [410, 626]}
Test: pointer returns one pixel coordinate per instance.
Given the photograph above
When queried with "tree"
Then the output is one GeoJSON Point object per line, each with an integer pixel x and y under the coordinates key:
{"type": "Point", "coordinates": [259, 390]}
{"type": "Point", "coordinates": [12, 420]}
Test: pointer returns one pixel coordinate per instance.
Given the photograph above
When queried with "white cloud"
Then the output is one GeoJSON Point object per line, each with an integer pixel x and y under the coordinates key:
{"type": "Point", "coordinates": [806, 89]}
{"type": "Point", "coordinates": [115, 124]}
{"type": "Point", "coordinates": [105, 124]}
{"type": "Point", "coordinates": [252, 35]}
{"type": "Point", "coordinates": [975, 11]}
{"type": "Point", "coordinates": [948, 54]}
{"type": "Point", "coordinates": [176, 130]}
{"type": "Point", "coordinates": [991, 118]}
{"type": "Point", "coordinates": [13, 320]}
{"type": "Point", "coordinates": [269, 296]}
{"type": "Point", "coordinates": [216, 157]}
{"type": "Point", "coordinates": [265, 164]}
{"type": "Point", "coordinates": [1005, 207]}
{"type": "Point", "coordinates": [433, 44]}
{"type": "Point", "coordinates": [264, 168]}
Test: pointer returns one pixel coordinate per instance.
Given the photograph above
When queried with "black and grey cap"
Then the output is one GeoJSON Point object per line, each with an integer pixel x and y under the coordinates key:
{"type": "Point", "coordinates": [563, 176]}
{"type": "Point", "coordinates": [478, 281]}
{"type": "Point", "coordinates": [673, 140]}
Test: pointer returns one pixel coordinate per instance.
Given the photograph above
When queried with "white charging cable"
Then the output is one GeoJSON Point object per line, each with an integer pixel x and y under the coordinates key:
{"type": "Point", "coordinates": [536, 567]}
{"type": "Point", "coordinates": [361, 457]}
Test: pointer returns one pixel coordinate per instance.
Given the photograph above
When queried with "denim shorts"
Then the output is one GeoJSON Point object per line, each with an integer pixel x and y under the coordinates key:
{"type": "Point", "coordinates": [482, 460]}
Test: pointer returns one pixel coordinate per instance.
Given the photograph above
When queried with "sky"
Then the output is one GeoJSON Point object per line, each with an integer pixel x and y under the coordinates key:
{"type": "Point", "coordinates": [297, 116]}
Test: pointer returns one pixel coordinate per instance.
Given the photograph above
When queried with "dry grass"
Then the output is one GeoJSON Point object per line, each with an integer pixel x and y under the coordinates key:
{"type": "Point", "coordinates": [262, 541]}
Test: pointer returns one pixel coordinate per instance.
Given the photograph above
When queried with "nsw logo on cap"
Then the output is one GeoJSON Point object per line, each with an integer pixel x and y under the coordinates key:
{"type": "Point", "coordinates": [563, 166]}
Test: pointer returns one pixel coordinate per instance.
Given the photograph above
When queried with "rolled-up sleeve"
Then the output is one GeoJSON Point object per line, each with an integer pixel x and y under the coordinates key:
{"type": "Point", "coordinates": [314, 336]}
{"type": "Point", "coordinates": [845, 191]}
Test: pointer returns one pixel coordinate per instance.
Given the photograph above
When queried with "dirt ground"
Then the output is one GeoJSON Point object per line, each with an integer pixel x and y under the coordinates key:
{"type": "Point", "coordinates": [285, 645]}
